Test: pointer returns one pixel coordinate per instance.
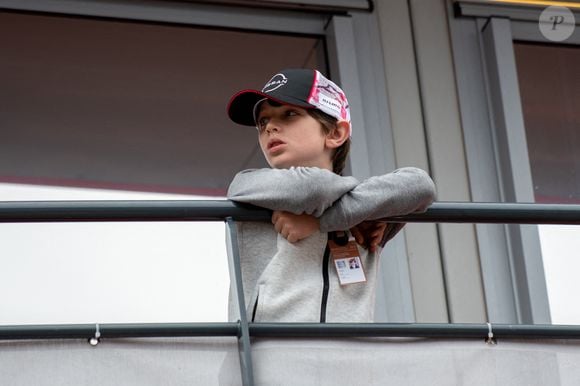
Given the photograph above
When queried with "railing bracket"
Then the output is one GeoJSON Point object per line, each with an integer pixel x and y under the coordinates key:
{"type": "Point", "coordinates": [97, 338]}
{"type": "Point", "coordinates": [490, 339]}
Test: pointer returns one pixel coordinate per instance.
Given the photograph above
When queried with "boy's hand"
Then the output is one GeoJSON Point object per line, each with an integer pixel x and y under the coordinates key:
{"type": "Point", "coordinates": [369, 234]}
{"type": "Point", "coordinates": [294, 227]}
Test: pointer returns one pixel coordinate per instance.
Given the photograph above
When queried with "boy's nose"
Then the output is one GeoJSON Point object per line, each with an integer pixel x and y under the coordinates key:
{"type": "Point", "coordinates": [271, 128]}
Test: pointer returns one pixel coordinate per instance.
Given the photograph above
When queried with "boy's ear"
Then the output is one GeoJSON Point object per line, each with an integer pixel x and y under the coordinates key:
{"type": "Point", "coordinates": [339, 135]}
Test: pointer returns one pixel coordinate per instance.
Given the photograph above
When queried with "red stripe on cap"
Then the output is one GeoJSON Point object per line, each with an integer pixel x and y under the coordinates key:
{"type": "Point", "coordinates": [313, 87]}
{"type": "Point", "coordinates": [238, 94]}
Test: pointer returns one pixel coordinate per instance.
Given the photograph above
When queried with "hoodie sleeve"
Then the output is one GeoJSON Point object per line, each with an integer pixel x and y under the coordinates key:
{"type": "Point", "coordinates": [297, 190]}
{"type": "Point", "coordinates": [401, 192]}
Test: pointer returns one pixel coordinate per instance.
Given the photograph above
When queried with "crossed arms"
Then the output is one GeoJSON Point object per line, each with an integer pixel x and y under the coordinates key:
{"type": "Point", "coordinates": [333, 202]}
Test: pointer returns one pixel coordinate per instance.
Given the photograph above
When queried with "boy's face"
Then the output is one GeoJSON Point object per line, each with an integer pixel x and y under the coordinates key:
{"type": "Point", "coordinates": [289, 136]}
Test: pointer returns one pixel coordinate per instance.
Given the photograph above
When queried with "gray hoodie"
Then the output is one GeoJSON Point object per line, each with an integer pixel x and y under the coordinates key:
{"type": "Point", "coordinates": [297, 282]}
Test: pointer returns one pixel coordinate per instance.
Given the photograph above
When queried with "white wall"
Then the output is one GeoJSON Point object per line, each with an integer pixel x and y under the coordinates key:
{"type": "Point", "coordinates": [110, 272]}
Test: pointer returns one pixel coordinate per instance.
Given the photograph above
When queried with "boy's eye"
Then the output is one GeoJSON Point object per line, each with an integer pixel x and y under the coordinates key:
{"type": "Point", "coordinates": [262, 122]}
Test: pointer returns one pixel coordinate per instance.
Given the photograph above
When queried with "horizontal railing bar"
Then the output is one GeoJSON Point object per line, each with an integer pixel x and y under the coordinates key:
{"type": "Point", "coordinates": [155, 210]}
{"type": "Point", "coordinates": [497, 213]}
{"type": "Point", "coordinates": [144, 330]}
{"type": "Point", "coordinates": [218, 210]}
{"type": "Point", "coordinates": [291, 330]}
{"type": "Point", "coordinates": [338, 330]}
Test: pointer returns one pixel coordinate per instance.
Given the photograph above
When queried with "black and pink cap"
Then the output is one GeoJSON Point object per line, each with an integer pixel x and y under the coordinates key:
{"type": "Point", "coordinates": [300, 87]}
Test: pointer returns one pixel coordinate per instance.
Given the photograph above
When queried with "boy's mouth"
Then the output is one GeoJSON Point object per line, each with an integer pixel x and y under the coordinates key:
{"type": "Point", "coordinates": [273, 143]}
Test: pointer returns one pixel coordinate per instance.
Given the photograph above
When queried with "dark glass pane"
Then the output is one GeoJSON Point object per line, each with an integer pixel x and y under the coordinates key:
{"type": "Point", "coordinates": [132, 106]}
{"type": "Point", "coordinates": [549, 79]}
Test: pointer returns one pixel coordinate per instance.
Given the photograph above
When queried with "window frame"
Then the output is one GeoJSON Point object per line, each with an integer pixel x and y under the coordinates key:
{"type": "Point", "coordinates": [496, 150]}
{"type": "Point", "coordinates": [361, 76]}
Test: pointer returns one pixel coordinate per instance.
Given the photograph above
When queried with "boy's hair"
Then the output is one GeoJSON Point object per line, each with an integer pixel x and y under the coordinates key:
{"type": "Point", "coordinates": [328, 124]}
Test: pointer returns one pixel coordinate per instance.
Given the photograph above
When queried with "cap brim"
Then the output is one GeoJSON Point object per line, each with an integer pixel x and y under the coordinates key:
{"type": "Point", "coordinates": [241, 105]}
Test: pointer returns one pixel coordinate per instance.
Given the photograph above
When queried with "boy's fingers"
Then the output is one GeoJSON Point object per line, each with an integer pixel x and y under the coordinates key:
{"type": "Point", "coordinates": [377, 232]}
{"type": "Point", "coordinates": [275, 216]}
{"type": "Point", "coordinates": [357, 235]}
{"type": "Point", "coordinates": [379, 228]}
{"type": "Point", "coordinates": [278, 226]}
{"type": "Point", "coordinates": [378, 235]}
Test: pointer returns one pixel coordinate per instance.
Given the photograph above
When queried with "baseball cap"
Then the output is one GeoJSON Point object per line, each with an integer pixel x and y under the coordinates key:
{"type": "Point", "coordinates": [300, 87]}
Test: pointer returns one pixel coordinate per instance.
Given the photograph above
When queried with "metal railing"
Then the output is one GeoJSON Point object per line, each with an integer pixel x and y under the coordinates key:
{"type": "Point", "coordinates": [220, 210]}
{"type": "Point", "coordinates": [448, 212]}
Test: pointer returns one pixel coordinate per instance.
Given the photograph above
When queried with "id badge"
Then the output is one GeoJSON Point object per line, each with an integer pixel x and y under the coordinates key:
{"type": "Point", "coordinates": [347, 262]}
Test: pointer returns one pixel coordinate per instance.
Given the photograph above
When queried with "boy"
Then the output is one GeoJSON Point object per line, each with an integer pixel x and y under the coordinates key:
{"type": "Point", "coordinates": [295, 270]}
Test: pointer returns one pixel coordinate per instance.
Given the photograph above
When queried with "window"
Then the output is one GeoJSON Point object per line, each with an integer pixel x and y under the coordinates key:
{"type": "Point", "coordinates": [94, 109]}
{"type": "Point", "coordinates": [132, 105]}
{"type": "Point", "coordinates": [549, 80]}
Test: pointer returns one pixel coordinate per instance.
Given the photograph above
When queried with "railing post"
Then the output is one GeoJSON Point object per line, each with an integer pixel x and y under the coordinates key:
{"type": "Point", "coordinates": [238, 294]}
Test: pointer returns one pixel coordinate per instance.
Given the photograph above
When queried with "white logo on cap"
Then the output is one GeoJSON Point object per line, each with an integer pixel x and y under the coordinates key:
{"type": "Point", "coordinates": [277, 81]}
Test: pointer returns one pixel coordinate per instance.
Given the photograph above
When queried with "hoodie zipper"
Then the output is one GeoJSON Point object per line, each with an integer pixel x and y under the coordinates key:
{"type": "Point", "coordinates": [325, 283]}
{"type": "Point", "coordinates": [341, 238]}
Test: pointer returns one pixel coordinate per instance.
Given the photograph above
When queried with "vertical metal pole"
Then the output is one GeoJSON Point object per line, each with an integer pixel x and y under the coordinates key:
{"type": "Point", "coordinates": [238, 292]}
{"type": "Point", "coordinates": [525, 253]}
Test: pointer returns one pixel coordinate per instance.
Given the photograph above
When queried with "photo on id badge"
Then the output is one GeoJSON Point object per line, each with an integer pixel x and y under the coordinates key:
{"type": "Point", "coordinates": [347, 263]}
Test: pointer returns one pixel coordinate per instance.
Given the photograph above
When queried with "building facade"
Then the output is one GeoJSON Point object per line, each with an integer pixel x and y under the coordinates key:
{"type": "Point", "coordinates": [131, 95]}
